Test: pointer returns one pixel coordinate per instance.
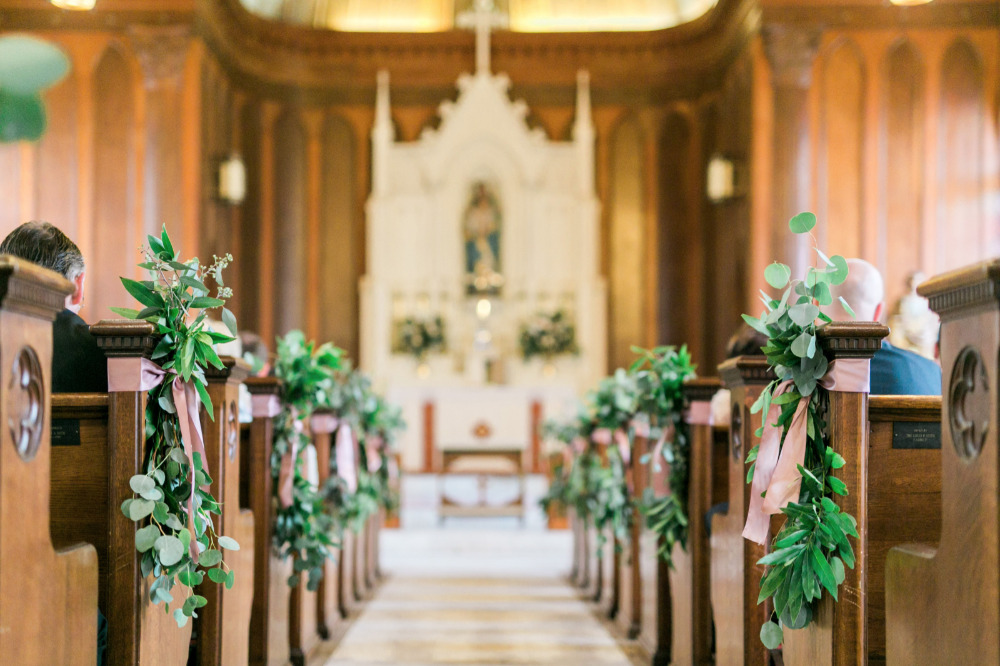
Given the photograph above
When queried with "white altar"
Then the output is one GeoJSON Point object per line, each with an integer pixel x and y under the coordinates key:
{"type": "Point", "coordinates": [485, 223]}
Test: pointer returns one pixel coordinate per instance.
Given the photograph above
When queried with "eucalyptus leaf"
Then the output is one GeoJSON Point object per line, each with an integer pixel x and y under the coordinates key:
{"type": "Point", "coordinates": [847, 308]}
{"type": "Point", "coordinates": [777, 275]}
{"type": "Point", "coordinates": [802, 223]}
{"type": "Point", "coordinates": [170, 549]}
{"type": "Point", "coordinates": [840, 275]}
{"type": "Point", "coordinates": [771, 635]}
{"type": "Point", "coordinates": [146, 537]}
{"type": "Point", "coordinates": [228, 543]}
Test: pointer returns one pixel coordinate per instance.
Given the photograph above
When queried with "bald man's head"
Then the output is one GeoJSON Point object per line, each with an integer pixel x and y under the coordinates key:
{"type": "Point", "coordinates": [863, 290]}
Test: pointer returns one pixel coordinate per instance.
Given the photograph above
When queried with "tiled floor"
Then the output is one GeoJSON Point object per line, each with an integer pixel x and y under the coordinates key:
{"type": "Point", "coordinates": [477, 596]}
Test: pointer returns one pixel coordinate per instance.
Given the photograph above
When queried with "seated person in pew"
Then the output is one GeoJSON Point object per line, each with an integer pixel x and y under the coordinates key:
{"type": "Point", "coordinates": [894, 371]}
{"type": "Point", "coordinates": [78, 365]}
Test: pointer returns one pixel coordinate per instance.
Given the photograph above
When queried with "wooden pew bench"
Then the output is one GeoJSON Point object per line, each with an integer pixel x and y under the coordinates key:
{"type": "Point", "coordinates": [894, 486]}
{"type": "Point", "coordinates": [48, 596]}
{"type": "Point", "coordinates": [942, 593]}
{"type": "Point", "coordinates": [102, 445]}
{"type": "Point", "coordinates": [629, 617]}
{"type": "Point", "coordinates": [269, 612]}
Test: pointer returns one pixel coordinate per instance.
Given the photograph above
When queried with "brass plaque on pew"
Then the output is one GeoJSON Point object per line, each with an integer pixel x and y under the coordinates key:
{"type": "Point", "coordinates": [916, 435]}
{"type": "Point", "coordinates": [65, 432]}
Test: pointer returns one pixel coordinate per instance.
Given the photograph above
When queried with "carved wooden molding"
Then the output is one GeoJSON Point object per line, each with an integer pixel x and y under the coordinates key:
{"type": "Point", "coordinates": [161, 51]}
{"type": "Point", "coordinates": [791, 51]}
{"type": "Point", "coordinates": [125, 337]}
{"type": "Point", "coordinates": [854, 339]}
{"type": "Point", "coordinates": [701, 389]}
{"type": "Point", "coordinates": [745, 371]}
{"type": "Point", "coordinates": [969, 403]}
{"type": "Point", "coordinates": [234, 370]}
{"type": "Point", "coordinates": [31, 289]}
{"type": "Point", "coordinates": [25, 403]}
{"type": "Point", "coordinates": [263, 385]}
{"type": "Point", "coordinates": [964, 291]}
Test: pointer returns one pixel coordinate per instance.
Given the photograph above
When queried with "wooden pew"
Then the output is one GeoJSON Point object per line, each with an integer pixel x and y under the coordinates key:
{"type": "Point", "coordinates": [735, 575]}
{"type": "Point", "coordinates": [269, 612]}
{"type": "Point", "coordinates": [224, 624]}
{"type": "Point", "coordinates": [630, 588]}
{"type": "Point", "coordinates": [686, 609]}
{"type": "Point", "coordinates": [942, 594]}
{"type": "Point", "coordinates": [48, 596]}
{"type": "Point", "coordinates": [894, 493]}
{"type": "Point", "coordinates": [610, 563]}
{"type": "Point", "coordinates": [303, 613]}
{"type": "Point", "coordinates": [328, 613]}
{"type": "Point", "coordinates": [104, 445]}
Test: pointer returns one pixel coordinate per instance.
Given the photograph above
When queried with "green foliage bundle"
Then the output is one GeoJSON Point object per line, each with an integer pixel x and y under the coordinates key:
{"type": "Point", "coordinates": [176, 291]}
{"type": "Point", "coordinates": [382, 422]}
{"type": "Point", "coordinates": [548, 335]}
{"type": "Point", "coordinates": [305, 529]}
{"type": "Point", "coordinates": [420, 336]}
{"type": "Point", "coordinates": [811, 550]}
{"type": "Point", "coordinates": [660, 375]}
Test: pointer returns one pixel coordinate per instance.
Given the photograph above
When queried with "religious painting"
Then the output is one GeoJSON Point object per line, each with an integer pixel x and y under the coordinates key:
{"type": "Point", "coordinates": [482, 226]}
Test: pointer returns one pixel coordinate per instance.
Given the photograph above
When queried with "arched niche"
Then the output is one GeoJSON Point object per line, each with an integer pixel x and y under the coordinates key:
{"type": "Point", "coordinates": [114, 170]}
{"type": "Point", "coordinates": [842, 124]}
{"type": "Point", "coordinates": [901, 168]}
{"type": "Point", "coordinates": [289, 177]}
{"type": "Point", "coordinates": [961, 134]}
{"type": "Point", "coordinates": [340, 249]}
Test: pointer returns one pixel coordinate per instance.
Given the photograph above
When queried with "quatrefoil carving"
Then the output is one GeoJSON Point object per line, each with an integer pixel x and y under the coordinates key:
{"type": "Point", "coordinates": [969, 403]}
{"type": "Point", "coordinates": [232, 430]}
{"type": "Point", "coordinates": [736, 433]}
{"type": "Point", "coordinates": [25, 403]}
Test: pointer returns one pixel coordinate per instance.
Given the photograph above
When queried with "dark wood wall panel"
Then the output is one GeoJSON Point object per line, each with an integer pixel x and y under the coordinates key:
{"type": "Point", "coordinates": [843, 116]}
{"type": "Point", "coordinates": [56, 153]}
{"type": "Point", "coordinates": [289, 169]}
{"type": "Point", "coordinates": [339, 271]}
{"type": "Point", "coordinates": [961, 227]}
{"type": "Point", "coordinates": [116, 242]}
{"type": "Point", "coordinates": [249, 260]}
{"type": "Point", "coordinates": [901, 177]}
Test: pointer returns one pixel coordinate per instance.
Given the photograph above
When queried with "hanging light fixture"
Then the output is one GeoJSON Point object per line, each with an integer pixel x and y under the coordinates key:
{"type": "Point", "coordinates": [78, 5]}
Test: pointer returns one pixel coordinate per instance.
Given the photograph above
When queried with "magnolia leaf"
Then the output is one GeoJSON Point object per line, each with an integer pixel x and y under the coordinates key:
{"type": "Point", "coordinates": [837, 565]}
{"type": "Point", "coordinates": [840, 264]}
{"type": "Point", "coordinates": [771, 636]}
{"type": "Point", "coordinates": [823, 571]}
{"type": "Point", "coordinates": [205, 399]}
{"type": "Point", "coordinates": [229, 319]}
{"type": "Point", "coordinates": [207, 302]}
{"type": "Point", "coordinates": [228, 543]}
{"type": "Point", "coordinates": [847, 308]}
{"type": "Point", "coordinates": [170, 549]}
{"type": "Point", "coordinates": [167, 245]}
{"type": "Point", "coordinates": [777, 275]}
{"type": "Point", "coordinates": [802, 223]}
{"type": "Point", "coordinates": [128, 313]}
{"type": "Point", "coordinates": [141, 293]}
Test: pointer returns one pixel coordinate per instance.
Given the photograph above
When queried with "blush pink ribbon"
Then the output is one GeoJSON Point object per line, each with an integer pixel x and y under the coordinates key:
{"type": "Point", "coordinates": [347, 465]}
{"type": "Point", "coordinates": [286, 472]}
{"type": "Point", "coordinates": [624, 446]}
{"type": "Point", "coordinates": [659, 480]}
{"type": "Point", "coordinates": [141, 374]}
{"type": "Point", "coordinates": [264, 406]}
{"type": "Point", "coordinates": [373, 455]}
{"type": "Point", "coordinates": [700, 413]}
{"type": "Point", "coordinates": [776, 478]}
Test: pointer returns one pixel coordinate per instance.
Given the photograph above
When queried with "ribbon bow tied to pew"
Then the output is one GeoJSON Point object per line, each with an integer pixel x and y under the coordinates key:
{"type": "Point", "coordinates": [605, 436]}
{"type": "Point", "coordinates": [142, 374]}
{"type": "Point", "coordinates": [776, 478]}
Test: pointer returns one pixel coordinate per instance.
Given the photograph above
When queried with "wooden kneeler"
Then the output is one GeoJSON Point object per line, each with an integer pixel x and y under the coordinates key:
{"type": "Point", "coordinates": [269, 612]}
{"type": "Point", "coordinates": [735, 574]}
{"type": "Point", "coordinates": [48, 597]}
{"type": "Point", "coordinates": [224, 624]}
{"type": "Point", "coordinates": [942, 594]}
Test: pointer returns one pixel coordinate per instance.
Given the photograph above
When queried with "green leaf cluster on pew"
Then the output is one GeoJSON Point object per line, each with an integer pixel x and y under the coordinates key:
{"type": "Point", "coordinates": [647, 397]}
{"type": "Point", "coordinates": [810, 552]}
{"type": "Point", "coordinates": [178, 540]}
{"type": "Point", "coordinates": [304, 529]}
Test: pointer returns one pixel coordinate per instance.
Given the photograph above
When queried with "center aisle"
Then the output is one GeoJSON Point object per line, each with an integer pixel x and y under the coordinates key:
{"type": "Point", "coordinates": [477, 597]}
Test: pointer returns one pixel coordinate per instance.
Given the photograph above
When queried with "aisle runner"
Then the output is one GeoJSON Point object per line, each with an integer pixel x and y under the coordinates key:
{"type": "Point", "coordinates": [505, 602]}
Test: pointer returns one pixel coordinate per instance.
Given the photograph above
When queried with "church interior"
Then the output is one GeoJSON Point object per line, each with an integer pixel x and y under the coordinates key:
{"type": "Point", "coordinates": [499, 332]}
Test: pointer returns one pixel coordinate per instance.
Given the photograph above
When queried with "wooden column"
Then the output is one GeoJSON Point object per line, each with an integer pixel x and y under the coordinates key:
{"type": "Point", "coordinates": [790, 51]}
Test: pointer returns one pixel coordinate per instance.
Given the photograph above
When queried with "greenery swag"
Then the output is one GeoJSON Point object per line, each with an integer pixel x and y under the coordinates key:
{"type": "Point", "coordinates": [178, 541]}
{"type": "Point", "coordinates": [548, 335]}
{"type": "Point", "coordinates": [303, 529]}
{"type": "Point", "coordinates": [420, 336]}
{"type": "Point", "coordinates": [660, 374]}
{"type": "Point", "coordinates": [811, 550]}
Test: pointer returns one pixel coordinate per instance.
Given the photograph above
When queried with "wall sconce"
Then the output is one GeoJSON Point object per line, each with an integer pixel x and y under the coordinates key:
{"type": "Point", "coordinates": [723, 179]}
{"type": "Point", "coordinates": [78, 5]}
{"type": "Point", "coordinates": [232, 185]}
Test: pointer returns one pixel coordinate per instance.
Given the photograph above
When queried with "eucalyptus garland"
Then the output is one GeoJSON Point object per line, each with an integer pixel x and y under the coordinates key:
{"type": "Point", "coordinates": [304, 529]}
{"type": "Point", "coordinates": [812, 549]}
{"type": "Point", "coordinates": [660, 375]}
{"type": "Point", "coordinates": [383, 422]}
{"type": "Point", "coordinates": [178, 541]}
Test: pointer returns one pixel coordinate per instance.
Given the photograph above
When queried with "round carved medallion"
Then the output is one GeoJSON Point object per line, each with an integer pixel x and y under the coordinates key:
{"type": "Point", "coordinates": [969, 403]}
{"type": "Point", "coordinates": [736, 433]}
{"type": "Point", "coordinates": [25, 406]}
{"type": "Point", "coordinates": [232, 430]}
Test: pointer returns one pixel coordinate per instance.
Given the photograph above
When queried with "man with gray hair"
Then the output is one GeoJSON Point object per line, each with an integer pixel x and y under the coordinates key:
{"type": "Point", "coordinates": [78, 365]}
{"type": "Point", "coordinates": [894, 371]}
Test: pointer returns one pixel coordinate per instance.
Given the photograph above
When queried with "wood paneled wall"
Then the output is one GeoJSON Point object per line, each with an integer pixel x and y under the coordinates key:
{"type": "Point", "coordinates": [897, 150]}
